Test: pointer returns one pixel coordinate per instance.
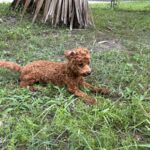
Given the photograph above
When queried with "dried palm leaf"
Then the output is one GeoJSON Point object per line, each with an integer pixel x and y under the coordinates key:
{"type": "Point", "coordinates": [25, 7]}
{"type": "Point", "coordinates": [38, 7]}
{"type": "Point", "coordinates": [72, 13]}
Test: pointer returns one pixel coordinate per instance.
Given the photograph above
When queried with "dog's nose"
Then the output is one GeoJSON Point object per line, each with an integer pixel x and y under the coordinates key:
{"type": "Point", "coordinates": [88, 73]}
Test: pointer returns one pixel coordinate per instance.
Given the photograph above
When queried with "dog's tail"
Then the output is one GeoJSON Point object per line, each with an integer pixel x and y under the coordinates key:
{"type": "Point", "coordinates": [10, 65]}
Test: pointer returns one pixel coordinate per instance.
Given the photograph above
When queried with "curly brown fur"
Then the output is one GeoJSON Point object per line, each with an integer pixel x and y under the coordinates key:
{"type": "Point", "coordinates": [70, 73]}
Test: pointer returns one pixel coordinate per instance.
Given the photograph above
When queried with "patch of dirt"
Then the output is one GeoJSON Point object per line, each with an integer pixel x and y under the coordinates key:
{"type": "Point", "coordinates": [140, 137]}
{"type": "Point", "coordinates": [106, 42]}
{"type": "Point", "coordinates": [8, 20]}
{"type": "Point", "coordinates": [105, 45]}
{"type": "Point", "coordinates": [97, 41]}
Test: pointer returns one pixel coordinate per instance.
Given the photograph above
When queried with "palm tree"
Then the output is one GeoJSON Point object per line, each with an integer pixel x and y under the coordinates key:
{"type": "Point", "coordinates": [72, 13]}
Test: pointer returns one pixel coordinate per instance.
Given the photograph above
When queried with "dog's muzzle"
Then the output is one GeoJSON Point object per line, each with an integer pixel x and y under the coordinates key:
{"type": "Point", "coordinates": [87, 74]}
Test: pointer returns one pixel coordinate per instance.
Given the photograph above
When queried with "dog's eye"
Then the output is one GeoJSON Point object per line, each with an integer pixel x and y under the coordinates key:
{"type": "Point", "coordinates": [81, 65]}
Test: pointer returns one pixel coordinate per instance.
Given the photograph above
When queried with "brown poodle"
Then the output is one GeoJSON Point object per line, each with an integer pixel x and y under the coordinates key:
{"type": "Point", "coordinates": [70, 73]}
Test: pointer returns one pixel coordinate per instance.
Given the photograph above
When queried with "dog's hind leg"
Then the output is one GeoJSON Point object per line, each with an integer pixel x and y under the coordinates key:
{"type": "Point", "coordinates": [27, 81]}
{"type": "Point", "coordinates": [28, 84]}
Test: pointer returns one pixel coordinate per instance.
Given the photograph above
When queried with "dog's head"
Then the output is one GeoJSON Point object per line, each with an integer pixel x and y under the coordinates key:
{"type": "Point", "coordinates": [78, 61]}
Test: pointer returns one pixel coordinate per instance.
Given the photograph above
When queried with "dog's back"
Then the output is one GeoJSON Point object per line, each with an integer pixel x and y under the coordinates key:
{"type": "Point", "coordinates": [44, 71]}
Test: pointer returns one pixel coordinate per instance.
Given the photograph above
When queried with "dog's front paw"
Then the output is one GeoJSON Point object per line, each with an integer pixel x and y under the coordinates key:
{"type": "Point", "coordinates": [104, 91]}
{"type": "Point", "coordinates": [90, 101]}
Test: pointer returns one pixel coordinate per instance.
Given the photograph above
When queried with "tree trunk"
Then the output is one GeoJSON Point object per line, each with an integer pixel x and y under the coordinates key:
{"type": "Point", "coordinates": [71, 13]}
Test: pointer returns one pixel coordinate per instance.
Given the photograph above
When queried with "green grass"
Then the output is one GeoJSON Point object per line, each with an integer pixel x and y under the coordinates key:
{"type": "Point", "coordinates": [140, 5]}
{"type": "Point", "coordinates": [52, 118]}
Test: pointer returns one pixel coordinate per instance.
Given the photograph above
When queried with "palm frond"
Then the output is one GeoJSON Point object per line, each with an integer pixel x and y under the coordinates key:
{"type": "Point", "coordinates": [72, 13]}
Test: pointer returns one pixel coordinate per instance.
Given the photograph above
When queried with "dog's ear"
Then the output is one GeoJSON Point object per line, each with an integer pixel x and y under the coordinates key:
{"type": "Point", "coordinates": [69, 53]}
